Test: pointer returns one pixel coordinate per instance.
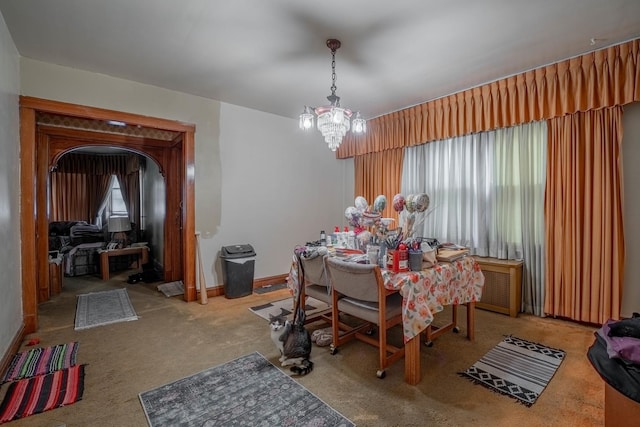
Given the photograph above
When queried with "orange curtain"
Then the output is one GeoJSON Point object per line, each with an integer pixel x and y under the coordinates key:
{"type": "Point", "coordinates": [599, 79]}
{"type": "Point", "coordinates": [379, 173]}
{"type": "Point", "coordinates": [68, 197]}
{"type": "Point", "coordinates": [583, 216]}
{"type": "Point", "coordinates": [130, 187]}
{"type": "Point", "coordinates": [79, 183]}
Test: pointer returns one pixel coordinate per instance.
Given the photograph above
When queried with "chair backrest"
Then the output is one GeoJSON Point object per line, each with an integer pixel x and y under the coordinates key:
{"type": "Point", "coordinates": [354, 280]}
{"type": "Point", "coordinates": [314, 270]}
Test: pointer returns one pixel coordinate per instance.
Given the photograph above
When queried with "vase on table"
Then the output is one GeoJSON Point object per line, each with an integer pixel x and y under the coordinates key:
{"type": "Point", "coordinates": [373, 254]}
{"type": "Point", "coordinates": [382, 255]}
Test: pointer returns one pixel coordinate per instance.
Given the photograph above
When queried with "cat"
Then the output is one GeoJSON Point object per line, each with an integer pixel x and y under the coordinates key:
{"type": "Point", "coordinates": [293, 341]}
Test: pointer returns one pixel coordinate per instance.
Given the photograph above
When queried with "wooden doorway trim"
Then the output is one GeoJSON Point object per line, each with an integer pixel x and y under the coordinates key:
{"type": "Point", "coordinates": [180, 158]}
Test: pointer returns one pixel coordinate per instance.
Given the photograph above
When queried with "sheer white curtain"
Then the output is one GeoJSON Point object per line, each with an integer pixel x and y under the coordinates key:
{"type": "Point", "coordinates": [487, 193]}
{"type": "Point", "coordinates": [101, 217]}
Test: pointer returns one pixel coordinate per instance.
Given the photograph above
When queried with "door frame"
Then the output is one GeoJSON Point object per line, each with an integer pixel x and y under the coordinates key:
{"type": "Point", "coordinates": [177, 160]}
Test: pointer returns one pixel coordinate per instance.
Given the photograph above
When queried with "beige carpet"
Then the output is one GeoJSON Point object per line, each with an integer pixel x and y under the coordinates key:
{"type": "Point", "coordinates": [173, 339]}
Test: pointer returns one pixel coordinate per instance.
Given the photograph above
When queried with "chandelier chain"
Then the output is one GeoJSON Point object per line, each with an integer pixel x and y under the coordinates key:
{"type": "Point", "coordinates": [333, 72]}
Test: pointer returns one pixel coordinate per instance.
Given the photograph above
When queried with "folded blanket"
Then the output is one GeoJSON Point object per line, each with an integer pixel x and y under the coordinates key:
{"type": "Point", "coordinates": [622, 347]}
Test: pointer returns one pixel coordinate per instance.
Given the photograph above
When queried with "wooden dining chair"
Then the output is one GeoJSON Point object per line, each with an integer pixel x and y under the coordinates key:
{"type": "Point", "coordinates": [315, 283]}
{"type": "Point", "coordinates": [358, 290]}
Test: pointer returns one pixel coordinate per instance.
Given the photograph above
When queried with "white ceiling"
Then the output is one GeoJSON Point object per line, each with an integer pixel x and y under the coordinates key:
{"type": "Point", "coordinates": [271, 55]}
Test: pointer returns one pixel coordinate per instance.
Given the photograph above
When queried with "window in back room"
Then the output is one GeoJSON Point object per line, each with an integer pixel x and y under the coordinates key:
{"type": "Point", "coordinates": [113, 203]}
{"type": "Point", "coordinates": [116, 202]}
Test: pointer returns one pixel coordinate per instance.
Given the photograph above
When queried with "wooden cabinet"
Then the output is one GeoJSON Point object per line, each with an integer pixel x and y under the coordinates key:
{"type": "Point", "coordinates": [502, 285]}
{"type": "Point", "coordinates": [619, 410]}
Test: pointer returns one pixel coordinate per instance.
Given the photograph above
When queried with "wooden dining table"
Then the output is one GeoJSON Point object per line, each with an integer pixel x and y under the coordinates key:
{"type": "Point", "coordinates": [424, 294]}
{"type": "Point", "coordinates": [427, 292]}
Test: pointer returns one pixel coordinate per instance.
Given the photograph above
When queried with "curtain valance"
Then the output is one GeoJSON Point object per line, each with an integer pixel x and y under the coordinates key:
{"type": "Point", "coordinates": [603, 78]}
{"type": "Point", "coordinates": [116, 164]}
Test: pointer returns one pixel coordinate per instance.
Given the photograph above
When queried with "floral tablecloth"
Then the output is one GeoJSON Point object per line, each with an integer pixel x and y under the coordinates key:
{"type": "Point", "coordinates": [425, 293]}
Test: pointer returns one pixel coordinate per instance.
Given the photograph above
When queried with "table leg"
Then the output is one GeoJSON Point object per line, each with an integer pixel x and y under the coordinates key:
{"type": "Point", "coordinates": [432, 332]}
{"type": "Point", "coordinates": [144, 256]}
{"type": "Point", "coordinates": [471, 320]}
{"type": "Point", "coordinates": [104, 265]}
{"type": "Point", "coordinates": [412, 360]}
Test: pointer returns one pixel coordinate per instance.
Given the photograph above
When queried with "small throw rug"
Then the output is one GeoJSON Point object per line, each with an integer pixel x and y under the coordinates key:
{"type": "Point", "coordinates": [248, 391]}
{"type": "Point", "coordinates": [275, 308]}
{"type": "Point", "coordinates": [270, 288]}
{"type": "Point", "coordinates": [517, 368]}
{"type": "Point", "coordinates": [42, 393]}
{"type": "Point", "coordinates": [103, 308]}
{"type": "Point", "coordinates": [40, 361]}
{"type": "Point", "coordinates": [172, 289]}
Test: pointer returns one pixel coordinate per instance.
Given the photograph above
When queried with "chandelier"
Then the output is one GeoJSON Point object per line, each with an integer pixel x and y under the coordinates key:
{"type": "Point", "coordinates": [333, 120]}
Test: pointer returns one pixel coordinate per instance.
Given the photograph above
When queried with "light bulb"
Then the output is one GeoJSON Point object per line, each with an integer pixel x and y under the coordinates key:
{"type": "Point", "coordinates": [306, 119]}
{"type": "Point", "coordinates": [359, 124]}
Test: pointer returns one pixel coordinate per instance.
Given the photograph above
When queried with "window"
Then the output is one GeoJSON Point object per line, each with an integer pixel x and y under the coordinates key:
{"type": "Point", "coordinates": [486, 189]}
{"type": "Point", "coordinates": [116, 202]}
{"type": "Point", "coordinates": [112, 204]}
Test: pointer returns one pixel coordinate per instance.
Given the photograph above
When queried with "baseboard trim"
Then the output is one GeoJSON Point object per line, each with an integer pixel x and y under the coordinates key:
{"type": "Point", "coordinates": [13, 349]}
{"type": "Point", "coordinates": [268, 281]}
{"type": "Point", "coordinates": [217, 291]}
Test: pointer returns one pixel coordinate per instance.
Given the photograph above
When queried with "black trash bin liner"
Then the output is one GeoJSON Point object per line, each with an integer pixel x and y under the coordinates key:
{"type": "Point", "coordinates": [238, 264]}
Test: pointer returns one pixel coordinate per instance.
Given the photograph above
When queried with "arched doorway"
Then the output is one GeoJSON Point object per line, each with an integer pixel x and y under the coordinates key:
{"type": "Point", "coordinates": [41, 145]}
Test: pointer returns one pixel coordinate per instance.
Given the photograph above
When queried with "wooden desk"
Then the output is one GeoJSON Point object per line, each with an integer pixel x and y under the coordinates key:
{"type": "Point", "coordinates": [142, 252]}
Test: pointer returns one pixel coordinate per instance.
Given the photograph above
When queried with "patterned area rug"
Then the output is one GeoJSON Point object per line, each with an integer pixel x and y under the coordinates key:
{"type": "Point", "coordinates": [103, 308]}
{"type": "Point", "coordinates": [248, 391]}
{"type": "Point", "coordinates": [517, 368]}
{"type": "Point", "coordinates": [274, 308]}
{"type": "Point", "coordinates": [40, 361]}
{"type": "Point", "coordinates": [42, 393]}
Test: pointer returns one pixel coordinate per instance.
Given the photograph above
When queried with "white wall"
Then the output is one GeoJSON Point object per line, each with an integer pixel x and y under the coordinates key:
{"type": "Point", "coordinates": [258, 180]}
{"type": "Point", "coordinates": [631, 160]}
{"type": "Point", "coordinates": [11, 283]}
{"type": "Point", "coordinates": [280, 187]}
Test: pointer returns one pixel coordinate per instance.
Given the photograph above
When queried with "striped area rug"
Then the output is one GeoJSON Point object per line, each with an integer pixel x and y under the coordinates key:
{"type": "Point", "coordinates": [42, 393]}
{"type": "Point", "coordinates": [40, 361]}
{"type": "Point", "coordinates": [517, 368]}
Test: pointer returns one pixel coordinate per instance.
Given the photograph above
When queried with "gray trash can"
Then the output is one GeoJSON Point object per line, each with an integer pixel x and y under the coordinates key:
{"type": "Point", "coordinates": [238, 263]}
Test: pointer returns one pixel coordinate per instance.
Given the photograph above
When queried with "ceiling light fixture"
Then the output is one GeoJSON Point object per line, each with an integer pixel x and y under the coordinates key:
{"type": "Point", "coordinates": [333, 120]}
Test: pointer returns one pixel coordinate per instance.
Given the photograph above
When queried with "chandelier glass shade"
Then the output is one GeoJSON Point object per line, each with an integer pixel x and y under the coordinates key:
{"type": "Point", "coordinates": [333, 121]}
